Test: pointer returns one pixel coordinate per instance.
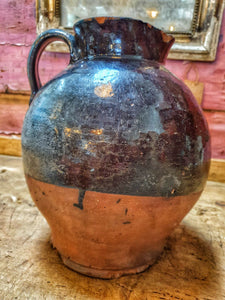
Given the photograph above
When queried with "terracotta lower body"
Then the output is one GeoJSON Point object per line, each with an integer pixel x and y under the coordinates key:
{"type": "Point", "coordinates": [112, 235]}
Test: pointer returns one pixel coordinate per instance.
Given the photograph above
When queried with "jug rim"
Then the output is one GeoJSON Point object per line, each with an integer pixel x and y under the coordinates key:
{"type": "Point", "coordinates": [101, 20]}
{"type": "Point", "coordinates": [121, 36]}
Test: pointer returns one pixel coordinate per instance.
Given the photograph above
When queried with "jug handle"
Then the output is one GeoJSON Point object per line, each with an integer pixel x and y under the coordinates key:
{"type": "Point", "coordinates": [38, 47]}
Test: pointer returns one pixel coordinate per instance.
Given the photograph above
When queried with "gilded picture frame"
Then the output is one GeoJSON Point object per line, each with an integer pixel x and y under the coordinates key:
{"type": "Point", "coordinates": [197, 42]}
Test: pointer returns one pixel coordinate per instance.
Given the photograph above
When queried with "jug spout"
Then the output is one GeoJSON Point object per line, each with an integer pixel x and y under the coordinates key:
{"type": "Point", "coordinates": [114, 36]}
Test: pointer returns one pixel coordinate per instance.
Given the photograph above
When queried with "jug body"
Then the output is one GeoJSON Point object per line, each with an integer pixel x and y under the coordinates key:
{"type": "Point", "coordinates": [116, 150]}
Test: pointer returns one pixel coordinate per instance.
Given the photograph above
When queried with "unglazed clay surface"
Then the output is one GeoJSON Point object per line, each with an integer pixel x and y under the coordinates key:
{"type": "Point", "coordinates": [119, 234]}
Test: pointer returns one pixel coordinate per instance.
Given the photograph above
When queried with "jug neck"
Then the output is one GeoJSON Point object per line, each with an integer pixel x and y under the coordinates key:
{"type": "Point", "coordinates": [118, 37]}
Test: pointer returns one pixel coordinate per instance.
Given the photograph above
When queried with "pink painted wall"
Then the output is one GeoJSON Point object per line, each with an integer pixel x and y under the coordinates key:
{"type": "Point", "coordinates": [212, 74]}
{"type": "Point", "coordinates": [18, 31]}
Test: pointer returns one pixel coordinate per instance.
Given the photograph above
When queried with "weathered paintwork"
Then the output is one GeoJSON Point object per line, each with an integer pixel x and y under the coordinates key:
{"type": "Point", "coordinates": [115, 122]}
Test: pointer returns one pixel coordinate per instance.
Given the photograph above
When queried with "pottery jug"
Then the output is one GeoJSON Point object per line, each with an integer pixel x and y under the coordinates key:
{"type": "Point", "coordinates": [115, 148]}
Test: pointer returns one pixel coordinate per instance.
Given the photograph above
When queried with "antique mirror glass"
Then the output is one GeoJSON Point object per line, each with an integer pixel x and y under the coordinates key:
{"type": "Point", "coordinates": [195, 24]}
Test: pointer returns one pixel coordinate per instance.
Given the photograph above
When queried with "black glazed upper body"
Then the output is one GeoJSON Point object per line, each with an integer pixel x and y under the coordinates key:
{"type": "Point", "coordinates": [117, 125]}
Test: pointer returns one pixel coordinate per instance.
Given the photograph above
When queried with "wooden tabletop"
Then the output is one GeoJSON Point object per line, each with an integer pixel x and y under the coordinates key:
{"type": "Point", "coordinates": [192, 265]}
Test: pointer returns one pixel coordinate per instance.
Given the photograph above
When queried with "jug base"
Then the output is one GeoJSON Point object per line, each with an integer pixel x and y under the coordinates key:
{"type": "Point", "coordinates": [101, 273]}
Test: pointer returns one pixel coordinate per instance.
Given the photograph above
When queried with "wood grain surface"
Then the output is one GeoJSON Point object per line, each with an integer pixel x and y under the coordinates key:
{"type": "Point", "coordinates": [217, 170]}
{"type": "Point", "coordinates": [192, 265]}
{"type": "Point", "coordinates": [10, 145]}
